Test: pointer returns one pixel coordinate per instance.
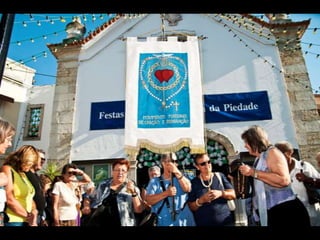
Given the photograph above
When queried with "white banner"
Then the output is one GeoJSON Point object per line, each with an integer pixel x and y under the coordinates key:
{"type": "Point", "coordinates": [164, 100]}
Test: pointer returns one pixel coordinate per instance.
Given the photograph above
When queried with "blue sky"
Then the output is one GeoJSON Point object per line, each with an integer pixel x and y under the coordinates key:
{"type": "Point", "coordinates": [32, 32]}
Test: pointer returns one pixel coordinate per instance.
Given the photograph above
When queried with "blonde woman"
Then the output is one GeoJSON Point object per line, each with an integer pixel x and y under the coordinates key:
{"type": "Point", "coordinates": [21, 208]}
{"type": "Point", "coordinates": [7, 131]}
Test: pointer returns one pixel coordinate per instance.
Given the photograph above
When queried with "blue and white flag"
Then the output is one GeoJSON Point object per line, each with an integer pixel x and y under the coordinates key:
{"type": "Point", "coordinates": [164, 101]}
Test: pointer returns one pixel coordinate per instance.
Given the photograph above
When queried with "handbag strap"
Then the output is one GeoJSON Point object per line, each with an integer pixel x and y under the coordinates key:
{"type": "Point", "coordinates": [220, 180]}
{"type": "Point", "coordinates": [164, 200]}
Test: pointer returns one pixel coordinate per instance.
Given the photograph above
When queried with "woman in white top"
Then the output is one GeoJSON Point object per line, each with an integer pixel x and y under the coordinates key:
{"type": "Point", "coordinates": [65, 200]}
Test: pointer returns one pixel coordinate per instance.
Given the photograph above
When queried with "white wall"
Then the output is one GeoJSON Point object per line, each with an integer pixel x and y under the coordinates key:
{"type": "Point", "coordinates": [42, 95]}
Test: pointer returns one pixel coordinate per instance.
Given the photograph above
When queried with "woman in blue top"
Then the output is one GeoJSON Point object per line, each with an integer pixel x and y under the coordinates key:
{"type": "Point", "coordinates": [274, 202]}
{"type": "Point", "coordinates": [208, 198]}
{"type": "Point", "coordinates": [175, 188]}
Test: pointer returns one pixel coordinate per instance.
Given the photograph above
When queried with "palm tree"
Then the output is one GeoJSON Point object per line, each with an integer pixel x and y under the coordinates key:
{"type": "Point", "coordinates": [52, 169]}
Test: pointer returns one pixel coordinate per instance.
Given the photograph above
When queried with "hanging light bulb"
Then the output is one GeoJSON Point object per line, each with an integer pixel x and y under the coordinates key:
{"type": "Point", "coordinates": [34, 58]}
{"type": "Point", "coordinates": [18, 43]}
{"type": "Point", "coordinates": [44, 37]}
{"type": "Point", "coordinates": [62, 19]}
{"type": "Point", "coordinates": [44, 54]}
{"type": "Point", "coordinates": [24, 24]}
{"type": "Point", "coordinates": [32, 40]}
{"type": "Point", "coordinates": [299, 31]}
{"type": "Point", "coordinates": [38, 23]}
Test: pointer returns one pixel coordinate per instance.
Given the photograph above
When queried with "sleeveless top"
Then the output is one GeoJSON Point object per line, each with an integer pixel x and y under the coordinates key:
{"type": "Point", "coordinates": [265, 194]}
{"type": "Point", "coordinates": [274, 195]}
{"type": "Point", "coordinates": [23, 191]}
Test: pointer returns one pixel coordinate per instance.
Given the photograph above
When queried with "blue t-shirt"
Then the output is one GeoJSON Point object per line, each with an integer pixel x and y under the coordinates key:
{"type": "Point", "coordinates": [184, 216]}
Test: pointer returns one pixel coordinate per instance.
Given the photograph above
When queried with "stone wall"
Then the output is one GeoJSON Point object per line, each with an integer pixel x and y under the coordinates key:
{"type": "Point", "coordinates": [302, 101]}
{"type": "Point", "coordinates": [64, 103]}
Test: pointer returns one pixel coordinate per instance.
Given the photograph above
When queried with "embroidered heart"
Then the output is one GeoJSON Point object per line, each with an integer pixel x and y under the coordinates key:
{"type": "Point", "coordinates": [163, 75]}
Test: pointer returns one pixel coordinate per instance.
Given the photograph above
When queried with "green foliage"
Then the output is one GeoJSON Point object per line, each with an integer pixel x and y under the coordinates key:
{"type": "Point", "coordinates": [52, 169]}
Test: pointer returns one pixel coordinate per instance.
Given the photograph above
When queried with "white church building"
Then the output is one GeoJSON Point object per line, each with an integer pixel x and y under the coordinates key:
{"type": "Point", "coordinates": [251, 72]}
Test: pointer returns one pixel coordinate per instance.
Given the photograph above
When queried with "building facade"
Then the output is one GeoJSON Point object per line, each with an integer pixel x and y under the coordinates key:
{"type": "Point", "coordinates": [239, 54]}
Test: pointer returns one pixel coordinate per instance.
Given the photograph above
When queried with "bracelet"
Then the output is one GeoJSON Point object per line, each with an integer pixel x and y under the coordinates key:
{"type": "Point", "coordinates": [255, 173]}
{"type": "Point", "coordinates": [179, 178]}
{"type": "Point", "coordinates": [223, 194]}
{"type": "Point", "coordinates": [197, 203]}
{"type": "Point", "coordinates": [134, 195]}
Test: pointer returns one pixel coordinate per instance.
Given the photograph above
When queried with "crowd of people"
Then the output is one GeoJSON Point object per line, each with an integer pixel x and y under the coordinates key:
{"type": "Point", "coordinates": [28, 197]}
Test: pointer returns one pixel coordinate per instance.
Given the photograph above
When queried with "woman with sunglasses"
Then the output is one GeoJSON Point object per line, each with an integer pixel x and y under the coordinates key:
{"type": "Point", "coordinates": [171, 189]}
{"type": "Point", "coordinates": [208, 198]}
{"type": "Point", "coordinates": [64, 195]}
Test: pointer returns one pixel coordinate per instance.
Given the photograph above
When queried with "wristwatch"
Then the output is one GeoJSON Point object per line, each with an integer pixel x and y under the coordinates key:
{"type": "Point", "coordinates": [255, 173]}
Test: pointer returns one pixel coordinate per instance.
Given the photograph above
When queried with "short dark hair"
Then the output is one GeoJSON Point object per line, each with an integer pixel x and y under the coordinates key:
{"type": "Point", "coordinates": [67, 166]}
{"type": "Point", "coordinates": [168, 155]}
{"type": "Point", "coordinates": [121, 161]}
{"type": "Point", "coordinates": [41, 150]}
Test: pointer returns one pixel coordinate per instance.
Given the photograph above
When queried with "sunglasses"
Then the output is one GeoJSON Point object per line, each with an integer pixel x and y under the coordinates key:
{"type": "Point", "coordinates": [204, 163]}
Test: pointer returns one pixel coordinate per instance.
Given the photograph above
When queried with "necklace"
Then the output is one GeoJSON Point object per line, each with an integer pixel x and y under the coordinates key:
{"type": "Point", "coordinates": [209, 182]}
{"type": "Point", "coordinates": [241, 184]}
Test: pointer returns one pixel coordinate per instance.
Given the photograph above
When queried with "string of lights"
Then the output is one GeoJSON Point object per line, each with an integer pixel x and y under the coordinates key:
{"type": "Point", "coordinates": [225, 18]}
{"type": "Point", "coordinates": [263, 34]}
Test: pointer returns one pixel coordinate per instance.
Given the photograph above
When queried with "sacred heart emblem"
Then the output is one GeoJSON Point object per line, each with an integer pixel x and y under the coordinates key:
{"type": "Point", "coordinates": [163, 75]}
